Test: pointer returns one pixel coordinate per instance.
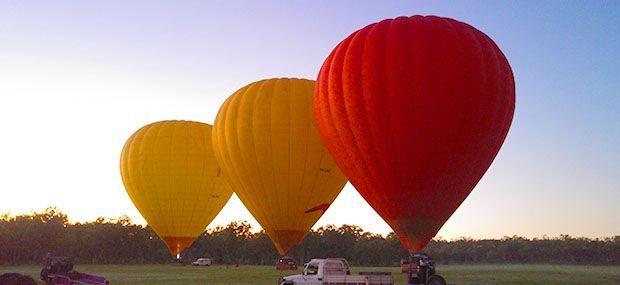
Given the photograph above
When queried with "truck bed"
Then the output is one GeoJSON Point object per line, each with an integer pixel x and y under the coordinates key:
{"type": "Point", "coordinates": [345, 279]}
{"type": "Point", "coordinates": [378, 279]}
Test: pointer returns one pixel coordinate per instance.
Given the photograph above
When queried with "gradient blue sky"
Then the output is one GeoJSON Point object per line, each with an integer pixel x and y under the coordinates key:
{"type": "Point", "coordinates": [78, 77]}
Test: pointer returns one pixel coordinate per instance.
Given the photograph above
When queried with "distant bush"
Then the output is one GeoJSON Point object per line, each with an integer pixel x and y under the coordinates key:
{"type": "Point", "coordinates": [25, 239]}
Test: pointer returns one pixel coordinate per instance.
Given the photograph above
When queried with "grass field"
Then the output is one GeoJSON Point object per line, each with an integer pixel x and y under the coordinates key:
{"type": "Point", "coordinates": [454, 274]}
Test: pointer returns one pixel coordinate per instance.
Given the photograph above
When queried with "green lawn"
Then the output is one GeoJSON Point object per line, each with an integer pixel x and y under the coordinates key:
{"type": "Point", "coordinates": [454, 274]}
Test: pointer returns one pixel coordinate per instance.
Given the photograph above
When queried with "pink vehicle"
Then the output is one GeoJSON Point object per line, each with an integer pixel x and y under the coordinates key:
{"type": "Point", "coordinates": [59, 270]}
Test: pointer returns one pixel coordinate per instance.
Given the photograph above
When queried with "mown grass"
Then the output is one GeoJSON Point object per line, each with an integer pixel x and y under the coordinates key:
{"type": "Point", "coordinates": [249, 275]}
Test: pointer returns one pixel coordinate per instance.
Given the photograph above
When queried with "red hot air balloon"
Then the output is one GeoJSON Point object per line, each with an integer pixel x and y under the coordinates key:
{"type": "Point", "coordinates": [414, 110]}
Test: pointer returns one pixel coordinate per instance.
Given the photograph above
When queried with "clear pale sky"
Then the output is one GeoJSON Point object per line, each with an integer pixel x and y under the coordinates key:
{"type": "Point", "coordinates": [77, 78]}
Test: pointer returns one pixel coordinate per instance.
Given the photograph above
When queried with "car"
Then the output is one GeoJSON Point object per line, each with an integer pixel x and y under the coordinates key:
{"type": "Point", "coordinates": [286, 263]}
{"type": "Point", "coordinates": [202, 262]}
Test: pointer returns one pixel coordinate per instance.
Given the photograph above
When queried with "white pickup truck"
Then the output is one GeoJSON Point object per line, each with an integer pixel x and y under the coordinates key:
{"type": "Point", "coordinates": [335, 271]}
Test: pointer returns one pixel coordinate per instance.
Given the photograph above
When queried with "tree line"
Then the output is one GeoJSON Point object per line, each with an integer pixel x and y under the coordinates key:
{"type": "Point", "coordinates": [27, 238]}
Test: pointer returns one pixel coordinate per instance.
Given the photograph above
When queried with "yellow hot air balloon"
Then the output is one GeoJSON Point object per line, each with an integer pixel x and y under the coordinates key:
{"type": "Point", "coordinates": [266, 140]}
{"type": "Point", "coordinates": [172, 177]}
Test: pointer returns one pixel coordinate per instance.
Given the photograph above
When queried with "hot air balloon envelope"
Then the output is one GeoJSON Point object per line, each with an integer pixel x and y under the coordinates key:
{"type": "Point", "coordinates": [414, 110]}
{"type": "Point", "coordinates": [265, 138]}
{"type": "Point", "coordinates": [172, 177]}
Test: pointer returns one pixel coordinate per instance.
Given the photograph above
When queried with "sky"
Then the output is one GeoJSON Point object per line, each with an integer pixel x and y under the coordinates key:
{"type": "Point", "coordinates": [77, 78]}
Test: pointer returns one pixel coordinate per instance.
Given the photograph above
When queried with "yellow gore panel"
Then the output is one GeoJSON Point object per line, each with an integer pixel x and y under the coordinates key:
{"type": "Point", "coordinates": [172, 177]}
{"type": "Point", "coordinates": [266, 140]}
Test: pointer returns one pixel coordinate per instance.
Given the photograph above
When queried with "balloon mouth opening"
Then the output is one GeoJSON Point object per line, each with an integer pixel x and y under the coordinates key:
{"type": "Point", "coordinates": [415, 233]}
{"type": "Point", "coordinates": [284, 240]}
{"type": "Point", "coordinates": [177, 244]}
